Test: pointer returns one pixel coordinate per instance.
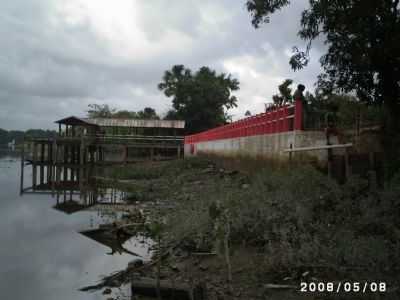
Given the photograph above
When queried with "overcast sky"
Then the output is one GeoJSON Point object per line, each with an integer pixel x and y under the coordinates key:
{"type": "Point", "coordinates": [57, 57]}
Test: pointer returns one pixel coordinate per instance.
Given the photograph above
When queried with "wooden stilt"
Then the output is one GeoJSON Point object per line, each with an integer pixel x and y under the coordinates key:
{"type": "Point", "coordinates": [54, 166]}
{"type": "Point", "coordinates": [21, 189]}
{"type": "Point", "coordinates": [41, 169]}
{"type": "Point", "coordinates": [65, 173]}
{"type": "Point", "coordinates": [34, 166]}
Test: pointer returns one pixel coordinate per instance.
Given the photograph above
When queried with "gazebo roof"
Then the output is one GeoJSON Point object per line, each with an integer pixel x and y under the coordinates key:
{"type": "Point", "coordinates": [72, 120]}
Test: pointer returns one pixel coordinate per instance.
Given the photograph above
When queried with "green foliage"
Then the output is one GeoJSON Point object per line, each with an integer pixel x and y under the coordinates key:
{"type": "Point", "coordinates": [285, 93]}
{"type": "Point", "coordinates": [363, 54]}
{"type": "Point", "coordinates": [156, 171]}
{"type": "Point", "coordinates": [148, 113]}
{"type": "Point", "coordinates": [100, 111]}
{"type": "Point", "coordinates": [295, 218]}
{"type": "Point", "coordinates": [136, 173]}
{"type": "Point", "coordinates": [104, 111]}
{"type": "Point", "coordinates": [350, 112]}
{"type": "Point", "coordinates": [200, 98]}
{"type": "Point", "coordinates": [171, 114]}
{"type": "Point", "coordinates": [261, 9]}
{"type": "Point", "coordinates": [18, 135]}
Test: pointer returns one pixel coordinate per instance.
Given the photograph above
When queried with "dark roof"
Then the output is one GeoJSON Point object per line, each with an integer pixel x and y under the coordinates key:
{"type": "Point", "coordinates": [75, 121]}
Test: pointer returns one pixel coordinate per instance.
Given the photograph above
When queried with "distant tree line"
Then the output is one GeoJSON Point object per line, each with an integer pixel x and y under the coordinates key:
{"type": "Point", "coordinates": [105, 111]}
{"type": "Point", "coordinates": [18, 135]}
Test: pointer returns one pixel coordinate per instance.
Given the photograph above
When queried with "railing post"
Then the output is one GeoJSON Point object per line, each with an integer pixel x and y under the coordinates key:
{"type": "Point", "coordinates": [298, 115]}
{"type": "Point", "coordinates": [285, 119]}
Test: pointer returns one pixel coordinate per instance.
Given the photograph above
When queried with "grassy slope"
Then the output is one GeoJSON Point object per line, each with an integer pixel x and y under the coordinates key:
{"type": "Point", "coordinates": [284, 225]}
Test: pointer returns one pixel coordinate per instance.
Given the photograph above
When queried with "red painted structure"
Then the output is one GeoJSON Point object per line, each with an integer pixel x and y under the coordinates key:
{"type": "Point", "coordinates": [276, 120]}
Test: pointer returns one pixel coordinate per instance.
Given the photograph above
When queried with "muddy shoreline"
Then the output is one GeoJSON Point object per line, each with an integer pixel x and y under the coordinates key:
{"type": "Point", "coordinates": [211, 246]}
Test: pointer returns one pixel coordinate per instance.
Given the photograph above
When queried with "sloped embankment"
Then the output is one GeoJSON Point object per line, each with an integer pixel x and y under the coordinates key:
{"type": "Point", "coordinates": [237, 234]}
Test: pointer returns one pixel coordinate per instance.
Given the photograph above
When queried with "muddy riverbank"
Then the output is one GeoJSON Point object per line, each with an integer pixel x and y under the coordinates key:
{"type": "Point", "coordinates": [241, 236]}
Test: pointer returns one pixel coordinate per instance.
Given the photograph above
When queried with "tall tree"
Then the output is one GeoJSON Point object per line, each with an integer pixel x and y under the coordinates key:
{"type": "Point", "coordinates": [285, 93]}
{"type": "Point", "coordinates": [363, 54]}
{"type": "Point", "coordinates": [202, 98]}
{"type": "Point", "coordinates": [100, 111]}
{"type": "Point", "coordinates": [148, 113]}
{"type": "Point", "coordinates": [171, 114]}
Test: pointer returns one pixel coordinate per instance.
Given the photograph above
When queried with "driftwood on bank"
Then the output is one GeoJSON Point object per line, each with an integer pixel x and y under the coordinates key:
{"type": "Point", "coordinates": [168, 289]}
{"type": "Point", "coordinates": [203, 253]}
{"type": "Point", "coordinates": [280, 286]}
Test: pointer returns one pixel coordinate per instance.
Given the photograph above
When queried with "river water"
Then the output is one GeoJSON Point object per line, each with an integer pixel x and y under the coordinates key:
{"type": "Point", "coordinates": [42, 255]}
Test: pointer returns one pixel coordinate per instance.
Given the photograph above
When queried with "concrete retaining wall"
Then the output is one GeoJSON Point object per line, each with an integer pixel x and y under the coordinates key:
{"type": "Point", "coordinates": [269, 146]}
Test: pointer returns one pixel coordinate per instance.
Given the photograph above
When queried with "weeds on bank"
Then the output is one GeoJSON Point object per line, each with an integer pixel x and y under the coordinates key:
{"type": "Point", "coordinates": [298, 218]}
{"type": "Point", "coordinates": [295, 218]}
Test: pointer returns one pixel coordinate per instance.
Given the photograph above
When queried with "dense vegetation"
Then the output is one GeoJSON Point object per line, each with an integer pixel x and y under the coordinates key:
{"type": "Point", "coordinates": [105, 111]}
{"type": "Point", "coordinates": [201, 98]}
{"type": "Point", "coordinates": [276, 224]}
{"type": "Point", "coordinates": [18, 135]}
{"type": "Point", "coordinates": [363, 54]}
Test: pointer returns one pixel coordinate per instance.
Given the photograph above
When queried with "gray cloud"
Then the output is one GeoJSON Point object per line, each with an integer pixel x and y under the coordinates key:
{"type": "Point", "coordinates": [57, 58]}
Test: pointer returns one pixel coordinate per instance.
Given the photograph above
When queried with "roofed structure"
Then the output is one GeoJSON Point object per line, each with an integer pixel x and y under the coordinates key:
{"type": "Point", "coordinates": [116, 122]}
{"type": "Point", "coordinates": [142, 123]}
{"type": "Point", "coordinates": [75, 121]}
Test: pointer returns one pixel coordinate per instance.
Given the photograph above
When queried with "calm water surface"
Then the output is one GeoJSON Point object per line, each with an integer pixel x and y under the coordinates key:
{"type": "Point", "coordinates": [42, 255]}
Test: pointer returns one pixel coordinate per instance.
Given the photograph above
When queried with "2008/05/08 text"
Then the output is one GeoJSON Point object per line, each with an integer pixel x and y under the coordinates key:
{"type": "Point", "coordinates": [345, 286]}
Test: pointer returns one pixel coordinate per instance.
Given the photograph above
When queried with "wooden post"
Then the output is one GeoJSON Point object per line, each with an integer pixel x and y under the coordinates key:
{"type": "Point", "coordinates": [151, 153]}
{"type": "Point", "coordinates": [42, 147]}
{"type": "Point", "coordinates": [179, 151]}
{"type": "Point", "coordinates": [372, 172]}
{"type": "Point", "coordinates": [49, 165]}
{"type": "Point", "coordinates": [34, 166]}
{"type": "Point", "coordinates": [81, 164]}
{"type": "Point", "coordinates": [65, 175]}
{"type": "Point", "coordinates": [347, 164]}
{"type": "Point", "coordinates": [21, 190]}
{"type": "Point", "coordinates": [125, 154]}
{"type": "Point", "coordinates": [54, 166]}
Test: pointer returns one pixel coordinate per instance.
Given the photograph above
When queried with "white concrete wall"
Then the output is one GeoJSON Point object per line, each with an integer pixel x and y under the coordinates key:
{"type": "Point", "coordinates": [269, 146]}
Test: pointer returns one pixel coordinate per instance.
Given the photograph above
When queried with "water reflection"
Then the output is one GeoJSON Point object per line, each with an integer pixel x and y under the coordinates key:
{"type": "Point", "coordinates": [42, 255]}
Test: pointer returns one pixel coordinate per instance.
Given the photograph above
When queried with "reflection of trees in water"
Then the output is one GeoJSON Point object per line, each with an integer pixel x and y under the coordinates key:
{"type": "Point", "coordinates": [112, 222]}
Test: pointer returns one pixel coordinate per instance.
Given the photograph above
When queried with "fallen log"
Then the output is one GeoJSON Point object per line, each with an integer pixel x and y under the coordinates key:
{"type": "Point", "coordinates": [280, 286]}
{"type": "Point", "coordinates": [203, 253]}
{"type": "Point", "coordinates": [168, 289]}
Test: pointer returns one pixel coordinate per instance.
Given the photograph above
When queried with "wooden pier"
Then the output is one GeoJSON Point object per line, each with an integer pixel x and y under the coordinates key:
{"type": "Point", "coordinates": [64, 165]}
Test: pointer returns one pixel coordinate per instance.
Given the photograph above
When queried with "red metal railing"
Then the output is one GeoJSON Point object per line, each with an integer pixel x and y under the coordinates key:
{"type": "Point", "coordinates": [276, 120]}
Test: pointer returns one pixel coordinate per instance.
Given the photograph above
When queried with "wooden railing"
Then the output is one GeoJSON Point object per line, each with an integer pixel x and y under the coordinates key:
{"type": "Point", "coordinates": [276, 120]}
